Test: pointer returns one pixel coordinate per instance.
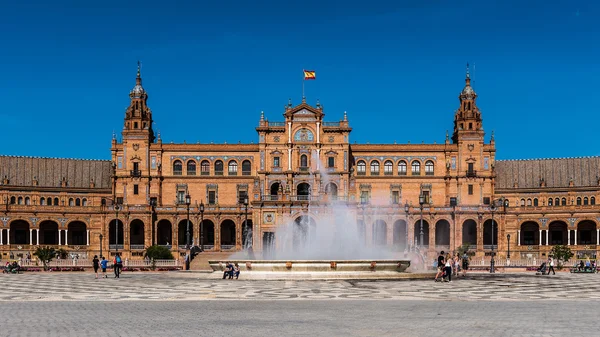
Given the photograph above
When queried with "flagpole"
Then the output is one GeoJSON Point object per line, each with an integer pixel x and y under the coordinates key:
{"type": "Point", "coordinates": [303, 80]}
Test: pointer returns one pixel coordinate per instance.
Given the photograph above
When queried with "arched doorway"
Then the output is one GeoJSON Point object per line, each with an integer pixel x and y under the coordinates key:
{"type": "Point", "coordinates": [487, 234]}
{"type": "Point", "coordinates": [136, 234]}
{"type": "Point", "coordinates": [115, 238]}
{"type": "Point", "coordinates": [379, 233]}
{"type": "Point", "coordinates": [304, 229]}
{"type": "Point", "coordinates": [417, 232]}
{"type": "Point", "coordinates": [182, 233]}
{"type": "Point", "coordinates": [48, 233]}
{"type": "Point", "coordinates": [469, 233]}
{"type": "Point", "coordinates": [361, 229]}
{"type": "Point", "coordinates": [275, 190]}
{"type": "Point", "coordinates": [227, 234]}
{"type": "Point", "coordinates": [77, 234]}
{"type": "Point", "coordinates": [247, 234]}
{"type": "Point", "coordinates": [557, 233]}
{"type": "Point", "coordinates": [303, 191]}
{"type": "Point", "coordinates": [442, 233]}
{"type": "Point", "coordinates": [164, 233]}
{"type": "Point", "coordinates": [530, 233]}
{"type": "Point", "coordinates": [586, 233]}
{"type": "Point", "coordinates": [399, 233]}
{"type": "Point", "coordinates": [331, 190]}
{"type": "Point", "coordinates": [208, 234]}
{"type": "Point", "coordinates": [19, 232]}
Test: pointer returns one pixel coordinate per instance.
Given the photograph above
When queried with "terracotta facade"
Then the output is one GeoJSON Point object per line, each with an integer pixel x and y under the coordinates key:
{"type": "Point", "coordinates": [299, 166]}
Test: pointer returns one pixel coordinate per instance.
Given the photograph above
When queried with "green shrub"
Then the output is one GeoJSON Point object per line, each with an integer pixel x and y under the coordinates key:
{"type": "Point", "coordinates": [158, 253]}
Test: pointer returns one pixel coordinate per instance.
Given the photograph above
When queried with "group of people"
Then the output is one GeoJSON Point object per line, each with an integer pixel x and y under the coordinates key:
{"type": "Point", "coordinates": [587, 266]}
{"type": "Point", "coordinates": [448, 265]}
{"type": "Point", "coordinates": [103, 263]}
{"type": "Point", "coordinates": [231, 271]}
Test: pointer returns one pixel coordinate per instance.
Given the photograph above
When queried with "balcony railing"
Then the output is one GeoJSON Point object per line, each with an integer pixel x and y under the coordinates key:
{"type": "Point", "coordinates": [275, 124]}
{"type": "Point", "coordinates": [137, 247]}
{"type": "Point", "coordinates": [136, 173]}
{"type": "Point", "coordinates": [267, 197]}
{"type": "Point", "coordinates": [331, 124]}
{"type": "Point", "coordinates": [304, 169]}
{"type": "Point", "coordinates": [471, 173]}
{"type": "Point", "coordinates": [304, 198]}
{"type": "Point", "coordinates": [119, 246]}
{"type": "Point", "coordinates": [246, 173]}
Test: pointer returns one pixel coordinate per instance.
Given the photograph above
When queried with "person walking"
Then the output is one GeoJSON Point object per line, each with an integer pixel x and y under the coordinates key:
{"type": "Point", "coordinates": [440, 266]}
{"type": "Point", "coordinates": [551, 263]}
{"type": "Point", "coordinates": [104, 264]}
{"type": "Point", "coordinates": [96, 265]}
{"type": "Point", "coordinates": [117, 263]}
{"type": "Point", "coordinates": [465, 263]}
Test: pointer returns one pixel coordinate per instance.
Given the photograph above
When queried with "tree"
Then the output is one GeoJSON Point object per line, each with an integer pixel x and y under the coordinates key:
{"type": "Point", "coordinates": [463, 249]}
{"type": "Point", "coordinates": [561, 254]}
{"type": "Point", "coordinates": [158, 253]}
{"type": "Point", "coordinates": [45, 254]}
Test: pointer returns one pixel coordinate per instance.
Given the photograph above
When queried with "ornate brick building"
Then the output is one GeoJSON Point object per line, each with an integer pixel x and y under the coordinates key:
{"type": "Point", "coordinates": [436, 196]}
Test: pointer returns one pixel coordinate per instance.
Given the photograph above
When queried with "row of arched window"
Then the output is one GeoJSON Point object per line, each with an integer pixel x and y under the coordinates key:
{"type": "Point", "coordinates": [388, 168]}
{"type": "Point", "coordinates": [218, 168]}
{"type": "Point", "coordinates": [559, 201]}
{"type": "Point", "coordinates": [48, 201]}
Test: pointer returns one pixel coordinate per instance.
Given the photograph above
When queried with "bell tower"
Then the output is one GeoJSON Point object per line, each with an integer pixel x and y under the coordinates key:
{"type": "Point", "coordinates": [138, 117]}
{"type": "Point", "coordinates": [467, 120]}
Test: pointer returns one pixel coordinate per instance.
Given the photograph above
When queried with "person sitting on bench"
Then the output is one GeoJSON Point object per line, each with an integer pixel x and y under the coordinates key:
{"type": "Point", "coordinates": [580, 268]}
{"type": "Point", "coordinates": [588, 265]}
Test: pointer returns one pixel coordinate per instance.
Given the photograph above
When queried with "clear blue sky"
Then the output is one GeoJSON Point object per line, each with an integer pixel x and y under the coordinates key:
{"type": "Point", "coordinates": [396, 67]}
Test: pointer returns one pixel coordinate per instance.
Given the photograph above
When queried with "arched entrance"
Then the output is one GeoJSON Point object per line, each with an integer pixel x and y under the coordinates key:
{"type": "Point", "coordinates": [469, 233]}
{"type": "Point", "coordinates": [164, 233]}
{"type": "Point", "coordinates": [114, 237]}
{"type": "Point", "coordinates": [303, 191]}
{"type": "Point", "coordinates": [77, 234]}
{"type": "Point", "coordinates": [379, 233]}
{"type": "Point", "coordinates": [227, 234]}
{"type": "Point", "coordinates": [530, 233]}
{"type": "Point", "coordinates": [19, 232]}
{"type": "Point", "coordinates": [136, 234]}
{"type": "Point", "coordinates": [247, 234]}
{"type": "Point", "coordinates": [331, 190]}
{"type": "Point", "coordinates": [304, 229]}
{"type": "Point", "coordinates": [586, 233]}
{"type": "Point", "coordinates": [208, 234]}
{"type": "Point", "coordinates": [487, 234]}
{"type": "Point", "coordinates": [442, 233]}
{"type": "Point", "coordinates": [557, 233]}
{"type": "Point", "coordinates": [417, 232]}
{"type": "Point", "coordinates": [182, 233]}
{"type": "Point", "coordinates": [399, 233]}
{"type": "Point", "coordinates": [48, 233]}
{"type": "Point", "coordinates": [275, 190]}
{"type": "Point", "coordinates": [361, 229]}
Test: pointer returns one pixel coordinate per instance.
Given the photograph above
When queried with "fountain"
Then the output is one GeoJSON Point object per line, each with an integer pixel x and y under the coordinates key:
{"type": "Point", "coordinates": [325, 242]}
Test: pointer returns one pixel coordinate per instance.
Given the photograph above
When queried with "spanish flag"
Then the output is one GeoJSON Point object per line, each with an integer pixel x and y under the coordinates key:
{"type": "Point", "coordinates": [310, 75]}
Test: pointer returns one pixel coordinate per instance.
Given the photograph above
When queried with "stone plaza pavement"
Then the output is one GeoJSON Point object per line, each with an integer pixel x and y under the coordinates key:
{"type": "Point", "coordinates": [175, 304]}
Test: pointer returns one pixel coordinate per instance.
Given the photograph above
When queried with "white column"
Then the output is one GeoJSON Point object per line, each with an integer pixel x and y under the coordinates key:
{"type": "Point", "coordinates": [597, 236]}
{"type": "Point", "coordinates": [540, 237]}
{"type": "Point", "coordinates": [1, 232]}
{"type": "Point", "coordinates": [546, 237]}
{"type": "Point", "coordinates": [289, 159]}
{"type": "Point", "coordinates": [59, 239]}
{"type": "Point", "coordinates": [575, 237]}
{"type": "Point", "coordinates": [88, 237]}
{"type": "Point", "coordinates": [66, 236]}
{"type": "Point", "coordinates": [289, 132]}
{"type": "Point", "coordinates": [568, 237]}
{"type": "Point", "coordinates": [8, 236]}
{"type": "Point", "coordinates": [318, 159]}
{"type": "Point", "coordinates": [37, 237]}
{"type": "Point", "coordinates": [318, 133]}
{"type": "Point", "coordinates": [518, 237]}
{"type": "Point", "coordinates": [30, 235]}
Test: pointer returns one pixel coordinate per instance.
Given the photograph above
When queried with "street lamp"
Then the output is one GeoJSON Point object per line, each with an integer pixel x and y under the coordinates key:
{"type": "Point", "coordinates": [421, 203]}
{"type": "Point", "coordinates": [246, 220]}
{"type": "Point", "coordinates": [508, 240]}
{"type": "Point", "coordinates": [492, 263]}
{"type": "Point", "coordinates": [202, 225]}
{"type": "Point", "coordinates": [406, 209]}
{"type": "Point", "coordinates": [101, 237]}
{"type": "Point", "coordinates": [117, 208]}
{"type": "Point", "coordinates": [188, 201]}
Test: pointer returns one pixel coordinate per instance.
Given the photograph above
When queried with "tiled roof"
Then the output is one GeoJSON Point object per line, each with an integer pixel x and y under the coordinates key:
{"type": "Point", "coordinates": [49, 172]}
{"type": "Point", "coordinates": [556, 172]}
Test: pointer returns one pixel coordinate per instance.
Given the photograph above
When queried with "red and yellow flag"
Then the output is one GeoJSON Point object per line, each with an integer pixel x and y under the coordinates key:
{"type": "Point", "coordinates": [310, 75]}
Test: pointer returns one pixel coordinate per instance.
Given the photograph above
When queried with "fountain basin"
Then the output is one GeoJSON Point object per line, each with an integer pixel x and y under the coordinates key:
{"type": "Point", "coordinates": [315, 266]}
